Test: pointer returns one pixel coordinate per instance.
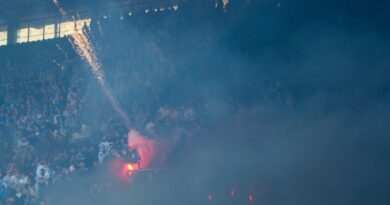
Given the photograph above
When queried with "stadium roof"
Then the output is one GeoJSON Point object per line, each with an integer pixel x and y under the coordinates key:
{"type": "Point", "coordinates": [21, 10]}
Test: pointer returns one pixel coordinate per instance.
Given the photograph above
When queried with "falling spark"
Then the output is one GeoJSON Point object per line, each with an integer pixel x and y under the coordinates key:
{"type": "Point", "coordinates": [62, 51]}
{"type": "Point", "coordinates": [100, 27]}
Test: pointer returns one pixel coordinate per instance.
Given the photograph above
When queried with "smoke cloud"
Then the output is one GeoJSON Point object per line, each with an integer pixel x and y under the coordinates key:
{"type": "Point", "coordinates": [298, 115]}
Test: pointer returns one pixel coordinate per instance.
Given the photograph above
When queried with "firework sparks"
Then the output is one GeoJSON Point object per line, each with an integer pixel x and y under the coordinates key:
{"type": "Point", "coordinates": [83, 46]}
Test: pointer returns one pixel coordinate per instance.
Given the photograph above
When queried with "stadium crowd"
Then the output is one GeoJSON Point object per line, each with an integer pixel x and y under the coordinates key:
{"type": "Point", "coordinates": [44, 136]}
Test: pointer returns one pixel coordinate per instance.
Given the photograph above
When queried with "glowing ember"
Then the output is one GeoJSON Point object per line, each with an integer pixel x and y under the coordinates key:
{"type": "Point", "coordinates": [250, 197]}
{"type": "Point", "coordinates": [232, 192]}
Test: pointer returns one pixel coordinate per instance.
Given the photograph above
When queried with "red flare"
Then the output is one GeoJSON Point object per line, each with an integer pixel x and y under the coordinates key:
{"type": "Point", "coordinates": [122, 170]}
{"type": "Point", "coordinates": [129, 169]}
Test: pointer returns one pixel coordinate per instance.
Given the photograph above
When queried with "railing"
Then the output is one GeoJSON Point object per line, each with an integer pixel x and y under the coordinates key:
{"type": "Point", "coordinates": [148, 177]}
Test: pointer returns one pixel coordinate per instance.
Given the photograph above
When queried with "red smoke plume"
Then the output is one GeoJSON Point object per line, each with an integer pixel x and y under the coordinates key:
{"type": "Point", "coordinates": [152, 152]}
